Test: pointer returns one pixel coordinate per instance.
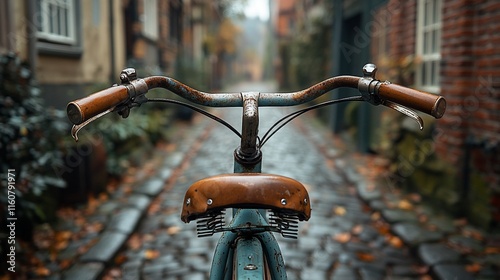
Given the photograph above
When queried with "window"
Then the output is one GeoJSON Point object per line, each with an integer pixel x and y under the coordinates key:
{"type": "Point", "coordinates": [175, 22]}
{"type": "Point", "coordinates": [150, 19]}
{"type": "Point", "coordinates": [57, 21]}
{"type": "Point", "coordinates": [428, 46]}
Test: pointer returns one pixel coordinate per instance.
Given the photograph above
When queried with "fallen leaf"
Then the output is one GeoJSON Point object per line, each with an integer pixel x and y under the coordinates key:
{"type": "Point", "coordinates": [383, 227]}
{"type": "Point", "coordinates": [115, 272]}
{"type": "Point", "coordinates": [343, 237]}
{"type": "Point", "coordinates": [173, 230]}
{"type": "Point", "coordinates": [134, 242]}
{"type": "Point", "coordinates": [151, 254]}
{"type": "Point", "coordinates": [460, 222]}
{"type": "Point", "coordinates": [473, 234]}
{"type": "Point", "coordinates": [422, 269]}
{"type": "Point", "coordinates": [357, 229]}
{"type": "Point", "coordinates": [61, 245]}
{"type": "Point", "coordinates": [396, 242]}
{"type": "Point", "coordinates": [415, 197]}
{"type": "Point", "coordinates": [42, 271]}
{"type": "Point", "coordinates": [64, 264]}
{"type": "Point", "coordinates": [492, 250]}
{"type": "Point", "coordinates": [473, 268]}
{"type": "Point", "coordinates": [339, 211]}
{"type": "Point", "coordinates": [149, 237]}
{"type": "Point", "coordinates": [366, 257]}
{"type": "Point", "coordinates": [103, 197]}
{"type": "Point", "coordinates": [423, 218]}
{"type": "Point", "coordinates": [120, 259]}
{"type": "Point", "coordinates": [405, 205]}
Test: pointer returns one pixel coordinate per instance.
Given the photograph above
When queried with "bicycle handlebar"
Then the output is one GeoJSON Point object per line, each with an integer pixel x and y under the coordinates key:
{"type": "Point", "coordinates": [428, 103]}
{"type": "Point", "coordinates": [83, 109]}
{"type": "Point", "coordinates": [88, 107]}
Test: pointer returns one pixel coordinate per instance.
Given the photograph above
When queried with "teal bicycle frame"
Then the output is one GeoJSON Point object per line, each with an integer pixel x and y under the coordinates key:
{"type": "Point", "coordinates": [249, 252]}
{"type": "Point", "coordinates": [246, 258]}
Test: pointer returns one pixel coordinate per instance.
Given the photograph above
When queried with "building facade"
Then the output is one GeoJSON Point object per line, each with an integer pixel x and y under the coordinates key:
{"type": "Point", "coordinates": [75, 47]}
{"type": "Point", "coordinates": [446, 47]}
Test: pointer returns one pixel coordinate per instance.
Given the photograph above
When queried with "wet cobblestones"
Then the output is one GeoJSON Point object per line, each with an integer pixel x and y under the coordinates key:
{"type": "Point", "coordinates": [354, 231]}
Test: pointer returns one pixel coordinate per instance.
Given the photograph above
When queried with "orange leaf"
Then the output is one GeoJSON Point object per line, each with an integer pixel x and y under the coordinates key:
{"type": "Point", "coordinates": [120, 259]}
{"type": "Point", "coordinates": [366, 257]}
{"type": "Point", "coordinates": [343, 237]}
{"type": "Point", "coordinates": [357, 229]}
{"type": "Point", "coordinates": [405, 205]}
{"type": "Point", "coordinates": [42, 271]}
{"type": "Point", "coordinates": [61, 245]}
{"type": "Point", "coordinates": [134, 242]}
{"type": "Point", "coordinates": [473, 268]}
{"type": "Point", "coordinates": [396, 242]}
{"type": "Point", "coordinates": [492, 250]}
{"type": "Point", "coordinates": [64, 264]}
{"type": "Point", "coordinates": [375, 216]}
{"type": "Point", "coordinates": [339, 211]}
{"type": "Point", "coordinates": [151, 254]}
{"type": "Point", "coordinates": [103, 196]}
{"type": "Point", "coordinates": [173, 230]}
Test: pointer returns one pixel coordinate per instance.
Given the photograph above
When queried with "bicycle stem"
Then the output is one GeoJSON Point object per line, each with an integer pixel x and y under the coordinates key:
{"type": "Point", "coordinates": [248, 156]}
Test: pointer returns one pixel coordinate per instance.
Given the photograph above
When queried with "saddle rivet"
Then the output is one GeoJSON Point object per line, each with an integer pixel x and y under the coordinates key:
{"type": "Point", "coordinates": [283, 201]}
{"type": "Point", "coordinates": [210, 201]}
{"type": "Point", "coordinates": [305, 201]}
{"type": "Point", "coordinates": [188, 201]}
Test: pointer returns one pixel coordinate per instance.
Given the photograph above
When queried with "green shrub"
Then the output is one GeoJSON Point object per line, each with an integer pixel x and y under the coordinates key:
{"type": "Point", "coordinates": [30, 143]}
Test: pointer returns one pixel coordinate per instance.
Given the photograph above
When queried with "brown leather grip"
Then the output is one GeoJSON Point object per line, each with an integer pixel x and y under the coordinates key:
{"type": "Point", "coordinates": [428, 103]}
{"type": "Point", "coordinates": [83, 109]}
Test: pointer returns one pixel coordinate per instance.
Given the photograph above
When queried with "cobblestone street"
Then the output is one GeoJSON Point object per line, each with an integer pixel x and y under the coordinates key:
{"type": "Point", "coordinates": [315, 255]}
{"type": "Point", "coordinates": [352, 234]}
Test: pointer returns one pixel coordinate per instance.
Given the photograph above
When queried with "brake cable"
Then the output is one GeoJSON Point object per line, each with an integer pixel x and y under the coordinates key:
{"type": "Point", "coordinates": [288, 118]}
{"type": "Point", "coordinates": [199, 110]}
{"type": "Point", "coordinates": [273, 129]}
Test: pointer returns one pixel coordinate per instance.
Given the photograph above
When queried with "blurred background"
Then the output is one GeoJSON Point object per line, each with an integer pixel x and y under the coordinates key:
{"type": "Point", "coordinates": [55, 51]}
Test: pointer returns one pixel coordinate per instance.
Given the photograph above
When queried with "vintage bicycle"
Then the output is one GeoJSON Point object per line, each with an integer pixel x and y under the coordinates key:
{"type": "Point", "coordinates": [262, 204]}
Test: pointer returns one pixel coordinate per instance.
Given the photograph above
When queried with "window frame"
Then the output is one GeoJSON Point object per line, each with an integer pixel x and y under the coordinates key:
{"type": "Point", "coordinates": [50, 29]}
{"type": "Point", "coordinates": [149, 19]}
{"type": "Point", "coordinates": [52, 44]}
{"type": "Point", "coordinates": [428, 45]}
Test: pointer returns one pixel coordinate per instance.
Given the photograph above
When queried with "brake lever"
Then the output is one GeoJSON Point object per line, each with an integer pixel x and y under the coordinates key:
{"type": "Point", "coordinates": [78, 127]}
{"type": "Point", "coordinates": [405, 111]}
{"type": "Point", "coordinates": [122, 110]}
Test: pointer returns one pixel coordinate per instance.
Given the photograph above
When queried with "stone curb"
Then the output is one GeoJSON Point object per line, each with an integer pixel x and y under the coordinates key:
{"type": "Point", "coordinates": [429, 246]}
{"type": "Point", "coordinates": [444, 262]}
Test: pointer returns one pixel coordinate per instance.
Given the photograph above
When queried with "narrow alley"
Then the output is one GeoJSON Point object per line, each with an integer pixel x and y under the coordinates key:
{"type": "Point", "coordinates": [339, 242]}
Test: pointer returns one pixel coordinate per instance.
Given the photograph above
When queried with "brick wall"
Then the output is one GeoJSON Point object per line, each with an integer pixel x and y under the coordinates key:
{"type": "Point", "coordinates": [471, 84]}
{"type": "Point", "coordinates": [470, 81]}
{"type": "Point", "coordinates": [398, 18]}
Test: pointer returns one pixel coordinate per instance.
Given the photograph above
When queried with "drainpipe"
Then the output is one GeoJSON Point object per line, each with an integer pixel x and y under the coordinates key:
{"type": "Point", "coordinates": [31, 33]}
{"type": "Point", "coordinates": [112, 74]}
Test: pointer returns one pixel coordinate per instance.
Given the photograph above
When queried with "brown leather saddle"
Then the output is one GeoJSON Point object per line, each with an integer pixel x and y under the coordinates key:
{"type": "Point", "coordinates": [246, 190]}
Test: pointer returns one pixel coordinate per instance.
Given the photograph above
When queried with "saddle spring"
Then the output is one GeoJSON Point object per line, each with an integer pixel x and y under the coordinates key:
{"type": "Point", "coordinates": [210, 224]}
{"type": "Point", "coordinates": [286, 224]}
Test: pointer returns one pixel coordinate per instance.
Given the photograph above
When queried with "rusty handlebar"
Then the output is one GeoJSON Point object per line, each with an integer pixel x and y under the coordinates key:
{"type": "Point", "coordinates": [88, 107]}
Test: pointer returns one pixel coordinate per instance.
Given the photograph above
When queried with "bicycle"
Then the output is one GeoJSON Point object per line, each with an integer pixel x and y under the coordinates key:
{"type": "Point", "coordinates": [262, 204]}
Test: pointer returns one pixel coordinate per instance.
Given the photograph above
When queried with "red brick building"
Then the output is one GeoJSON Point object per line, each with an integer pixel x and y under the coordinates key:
{"type": "Point", "coordinates": [447, 47]}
